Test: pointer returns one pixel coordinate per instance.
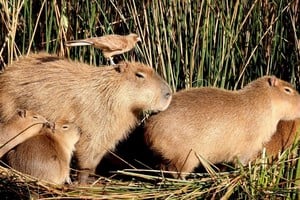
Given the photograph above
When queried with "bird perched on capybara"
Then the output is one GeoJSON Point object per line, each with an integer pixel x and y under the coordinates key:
{"type": "Point", "coordinates": [220, 125]}
{"type": "Point", "coordinates": [47, 156]}
{"type": "Point", "coordinates": [22, 125]}
{"type": "Point", "coordinates": [110, 45]}
{"type": "Point", "coordinates": [286, 134]}
{"type": "Point", "coordinates": [105, 102]}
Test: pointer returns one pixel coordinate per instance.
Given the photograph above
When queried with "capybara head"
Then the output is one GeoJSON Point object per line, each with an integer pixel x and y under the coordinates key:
{"type": "Point", "coordinates": [27, 118]}
{"type": "Point", "coordinates": [154, 93]}
{"type": "Point", "coordinates": [285, 98]}
{"type": "Point", "coordinates": [67, 133]}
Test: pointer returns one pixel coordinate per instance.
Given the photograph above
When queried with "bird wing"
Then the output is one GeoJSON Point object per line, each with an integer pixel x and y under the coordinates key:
{"type": "Point", "coordinates": [109, 42]}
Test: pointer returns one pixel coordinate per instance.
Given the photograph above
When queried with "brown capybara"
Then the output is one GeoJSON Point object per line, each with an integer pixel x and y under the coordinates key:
{"type": "Point", "coordinates": [22, 125]}
{"type": "Point", "coordinates": [286, 134]}
{"type": "Point", "coordinates": [47, 156]}
{"type": "Point", "coordinates": [220, 125]}
{"type": "Point", "coordinates": [105, 102]}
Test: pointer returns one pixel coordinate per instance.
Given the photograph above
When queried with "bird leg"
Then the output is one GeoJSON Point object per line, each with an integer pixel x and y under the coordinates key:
{"type": "Point", "coordinates": [111, 60]}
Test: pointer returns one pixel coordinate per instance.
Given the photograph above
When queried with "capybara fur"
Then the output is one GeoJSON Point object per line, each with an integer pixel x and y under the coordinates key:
{"type": "Point", "coordinates": [286, 134]}
{"type": "Point", "coordinates": [220, 125]}
{"type": "Point", "coordinates": [22, 125]}
{"type": "Point", "coordinates": [47, 156]}
{"type": "Point", "coordinates": [105, 102]}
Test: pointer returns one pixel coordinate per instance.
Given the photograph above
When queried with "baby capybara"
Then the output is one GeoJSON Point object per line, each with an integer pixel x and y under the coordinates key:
{"type": "Point", "coordinates": [105, 102]}
{"type": "Point", "coordinates": [220, 125]}
{"type": "Point", "coordinates": [47, 156]}
{"type": "Point", "coordinates": [22, 125]}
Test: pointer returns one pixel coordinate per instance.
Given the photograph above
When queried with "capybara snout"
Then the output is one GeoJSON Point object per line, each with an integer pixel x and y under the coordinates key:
{"type": "Point", "coordinates": [148, 84]}
{"type": "Point", "coordinates": [167, 96]}
{"type": "Point", "coordinates": [50, 125]}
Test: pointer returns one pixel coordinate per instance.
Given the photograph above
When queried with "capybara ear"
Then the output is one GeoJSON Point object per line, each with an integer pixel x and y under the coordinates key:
{"type": "Point", "coordinates": [272, 81]}
{"type": "Point", "coordinates": [121, 67]}
{"type": "Point", "coordinates": [21, 112]}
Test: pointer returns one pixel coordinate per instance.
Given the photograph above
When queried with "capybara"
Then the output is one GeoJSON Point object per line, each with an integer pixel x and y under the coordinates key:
{"type": "Point", "coordinates": [286, 134]}
{"type": "Point", "coordinates": [105, 102]}
{"type": "Point", "coordinates": [22, 125]}
{"type": "Point", "coordinates": [47, 156]}
{"type": "Point", "coordinates": [220, 125]}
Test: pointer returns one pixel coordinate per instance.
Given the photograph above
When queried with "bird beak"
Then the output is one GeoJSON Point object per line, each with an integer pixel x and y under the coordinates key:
{"type": "Point", "coordinates": [139, 39]}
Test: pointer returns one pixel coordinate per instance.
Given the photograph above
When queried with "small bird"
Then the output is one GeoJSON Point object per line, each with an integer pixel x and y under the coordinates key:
{"type": "Point", "coordinates": [110, 45]}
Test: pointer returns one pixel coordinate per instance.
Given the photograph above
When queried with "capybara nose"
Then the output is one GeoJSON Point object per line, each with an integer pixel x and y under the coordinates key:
{"type": "Point", "coordinates": [50, 125]}
{"type": "Point", "coordinates": [168, 95]}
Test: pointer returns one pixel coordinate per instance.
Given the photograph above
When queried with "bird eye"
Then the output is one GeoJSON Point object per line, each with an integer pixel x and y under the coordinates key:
{"type": "Point", "coordinates": [139, 75]}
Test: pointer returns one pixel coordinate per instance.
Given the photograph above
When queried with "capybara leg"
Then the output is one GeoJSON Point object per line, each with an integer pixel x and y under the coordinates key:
{"type": "Point", "coordinates": [183, 166]}
{"type": "Point", "coordinates": [88, 166]}
{"type": "Point", "coordinates": [84, 175]}
{"type": "Point", "coordinates": [173, 170]}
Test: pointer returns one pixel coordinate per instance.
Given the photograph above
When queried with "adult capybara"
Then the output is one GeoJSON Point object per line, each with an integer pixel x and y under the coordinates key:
{"type": "Point", "coordinates": [105, 102]}
{"type": "Point", "coordinates": [220, 125]}
{"type": "Point", "coordinates": [47, 156]}
{"type": "Point", "coordinates": [286, 134]}
{"type": "Point", "coordinates": [22, 125]}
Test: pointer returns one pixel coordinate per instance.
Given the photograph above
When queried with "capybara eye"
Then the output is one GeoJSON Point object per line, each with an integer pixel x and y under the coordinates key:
{"type": "Point", "coordinates": [139, 75]}
{"type": "Point", "coordinates": [65, 126]}
{"type": "Point", "coordinates": [288, 90]}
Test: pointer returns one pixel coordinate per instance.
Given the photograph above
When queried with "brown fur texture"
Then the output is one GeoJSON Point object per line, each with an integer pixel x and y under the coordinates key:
{"type": "Point", "coordinates": [47, 156]}
{"type": "Point", "coordinates": [22, 125]}
{"type": "Point", "coordinates": [220, 125]}
{"type": "Point", "coordinates": [286, 134]}
{"type": "Point", "coordinates": [105, 102]}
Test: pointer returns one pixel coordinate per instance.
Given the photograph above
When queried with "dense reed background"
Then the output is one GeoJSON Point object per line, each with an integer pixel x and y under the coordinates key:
{"type": "Point", "coordinates": [190, 43]}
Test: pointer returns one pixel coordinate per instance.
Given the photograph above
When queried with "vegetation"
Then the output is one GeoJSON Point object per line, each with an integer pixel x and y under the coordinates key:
{"type": "Point", "coordinates": [190, 43]}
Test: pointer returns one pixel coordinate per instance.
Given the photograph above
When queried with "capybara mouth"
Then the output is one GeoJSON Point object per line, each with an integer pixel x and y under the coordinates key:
{"type": "Point", "coordinates": [166, 102]}
{"type": "Point", "coordinates": [166, 99]}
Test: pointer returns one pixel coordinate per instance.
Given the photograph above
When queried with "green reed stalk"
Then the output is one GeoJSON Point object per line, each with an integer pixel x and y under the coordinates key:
{"type": "Point", "coordinates": [191, 44]}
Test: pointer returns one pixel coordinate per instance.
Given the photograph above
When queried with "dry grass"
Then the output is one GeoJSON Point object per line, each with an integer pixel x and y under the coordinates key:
{"type": "Point", "coordinates": [259, 180]}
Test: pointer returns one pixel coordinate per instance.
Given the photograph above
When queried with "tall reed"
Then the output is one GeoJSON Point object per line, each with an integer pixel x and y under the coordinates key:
{"type": "Point", "coordinates": [190, 43]}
